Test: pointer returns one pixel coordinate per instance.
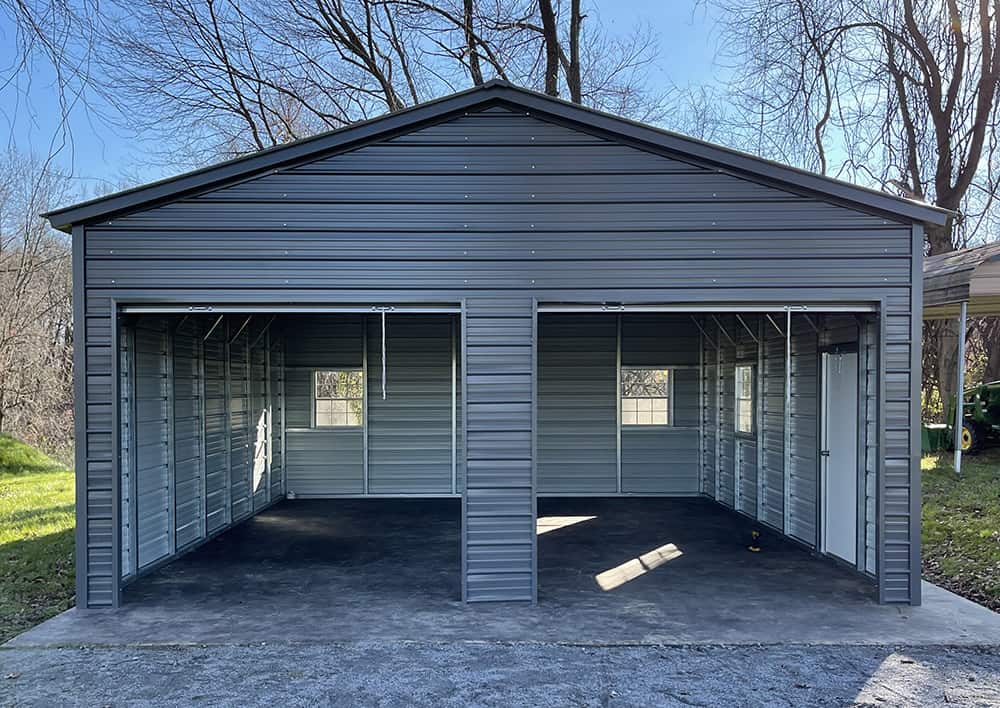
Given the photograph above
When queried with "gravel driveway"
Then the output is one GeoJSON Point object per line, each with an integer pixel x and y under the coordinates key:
{"type": "Point", "coordinates": [492, 674]}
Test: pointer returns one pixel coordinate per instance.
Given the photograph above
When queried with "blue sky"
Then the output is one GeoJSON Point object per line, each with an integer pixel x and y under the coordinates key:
{"type": "Point", "coordinates": [99, 156]}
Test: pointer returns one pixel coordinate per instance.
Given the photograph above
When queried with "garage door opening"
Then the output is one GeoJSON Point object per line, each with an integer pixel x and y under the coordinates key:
{"type": "Point", "coordinates": [273, 444]}
{"type": "Point", "coordinates": [670, 443]}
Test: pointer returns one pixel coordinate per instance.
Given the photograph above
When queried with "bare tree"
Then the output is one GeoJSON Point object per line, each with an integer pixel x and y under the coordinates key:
{"type": "Point", "coordinates": [900, 94]}
{"type": "Point", "coordinates": [36, 398]}
{"type": "Point", "coordinates": [222, 77]}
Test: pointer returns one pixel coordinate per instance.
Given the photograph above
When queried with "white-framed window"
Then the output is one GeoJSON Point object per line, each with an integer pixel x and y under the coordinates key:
{"type": "Point", "coordinates": [646, 395]}
{"type": "Point", "coordinates": [746, 399]}
{"type": "Point", "coordinates": [338, 398]}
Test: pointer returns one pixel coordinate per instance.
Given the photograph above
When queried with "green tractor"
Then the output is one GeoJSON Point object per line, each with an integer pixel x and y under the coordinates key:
{"type": "Point", "coordinates": [980, 417]}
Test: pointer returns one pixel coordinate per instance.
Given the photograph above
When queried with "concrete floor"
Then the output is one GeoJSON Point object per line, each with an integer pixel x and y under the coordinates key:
{"type": "Point", "coordinates": [345, 571]}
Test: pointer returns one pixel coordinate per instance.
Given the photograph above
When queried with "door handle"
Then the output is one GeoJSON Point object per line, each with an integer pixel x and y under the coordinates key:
{"type": "Point", "coordinates": [824, 453]}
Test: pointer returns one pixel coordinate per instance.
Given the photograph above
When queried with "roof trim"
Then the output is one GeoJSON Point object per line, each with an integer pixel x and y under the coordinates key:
{"type": "Point", "coordinates": [493, 91]}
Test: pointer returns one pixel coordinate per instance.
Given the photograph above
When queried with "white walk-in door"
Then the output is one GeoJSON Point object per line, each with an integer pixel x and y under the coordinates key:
{"type": "Point", "coordinates": [840, 455]}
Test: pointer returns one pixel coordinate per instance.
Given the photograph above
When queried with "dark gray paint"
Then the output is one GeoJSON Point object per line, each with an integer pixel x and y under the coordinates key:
{"type": "Point", "coordinates": [270, 250]}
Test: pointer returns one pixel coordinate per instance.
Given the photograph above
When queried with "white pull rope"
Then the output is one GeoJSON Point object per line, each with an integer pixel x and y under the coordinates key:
{"type": "Point", "coordinates": [383, 355]}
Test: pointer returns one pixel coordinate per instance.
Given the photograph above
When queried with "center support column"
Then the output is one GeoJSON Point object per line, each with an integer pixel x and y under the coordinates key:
{"type": "Point", "coordinates": [498, 507]}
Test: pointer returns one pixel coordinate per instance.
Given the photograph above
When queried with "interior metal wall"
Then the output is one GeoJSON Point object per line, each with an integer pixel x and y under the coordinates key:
{"type": "Point", "coordinates": [663, 460]}
{"type": "Point", "coordinates": [190, 455]}
{"type": "Point", "coordinates": [778, 476]}
{"type": "Point", "coordinates": [577, 404]}
{"type": "Point", "coordinates": [409, 444]}
{"type": "Point", "coordinates": [580, 447]}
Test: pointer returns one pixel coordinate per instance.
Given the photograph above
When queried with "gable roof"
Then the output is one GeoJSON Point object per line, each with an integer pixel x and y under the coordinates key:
{"type": "Point", "coordinates": [501, 92]}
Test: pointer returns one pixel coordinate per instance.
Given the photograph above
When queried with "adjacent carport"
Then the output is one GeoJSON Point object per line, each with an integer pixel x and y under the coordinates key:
{"type": "Point", "coordinates": [627, 313]}
{"type": "Point", "coordinates": [958, 284]}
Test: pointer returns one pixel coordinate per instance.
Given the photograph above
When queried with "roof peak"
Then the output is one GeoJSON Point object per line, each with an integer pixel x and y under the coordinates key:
{"type": "Point", "coordinates": [357, 134]}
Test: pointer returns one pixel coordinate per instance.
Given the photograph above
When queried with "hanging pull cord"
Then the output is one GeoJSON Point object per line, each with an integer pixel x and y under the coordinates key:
{"type": "Point", "coordinates": [383, 355]}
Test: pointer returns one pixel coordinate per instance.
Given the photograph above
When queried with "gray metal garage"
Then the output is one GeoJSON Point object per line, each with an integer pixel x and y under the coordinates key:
{"type": "Point", "coordinates": [498, 297]}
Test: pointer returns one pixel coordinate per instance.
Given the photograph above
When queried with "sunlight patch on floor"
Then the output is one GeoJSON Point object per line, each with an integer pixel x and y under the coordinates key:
{"type": "Point", "coordinates": [551, 523]}
{"type": "Point", "coordinates": [634, 567]}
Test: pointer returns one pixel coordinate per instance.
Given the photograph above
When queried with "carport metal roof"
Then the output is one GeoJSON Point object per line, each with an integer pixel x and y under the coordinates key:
{"type": "Point", "coordinates": [958, 284]}
{"type": "Point", "coordinates": [971, 275]}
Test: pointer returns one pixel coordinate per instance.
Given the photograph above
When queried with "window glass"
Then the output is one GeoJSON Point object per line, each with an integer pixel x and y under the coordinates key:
{"type": "Point", "coordinates": [338, 398]}
{"type": "Point", "coordinates": [745, 399]}
{"type": "Point", "coordinates": [645, 396]}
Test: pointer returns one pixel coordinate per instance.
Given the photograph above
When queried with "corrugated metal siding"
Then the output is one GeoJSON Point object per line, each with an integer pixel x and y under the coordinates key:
{"type": "Point", "coordinates": [499, 520]}
{"type": "Point", "coordinates": [321, 461]}
{"type": "Point", "coordinates": [240, 427]}
{"type": "Point", "coordinates": [577, 404]}
{"type": "Point", "coordinates": [152, 458]}
{"type": "Point", "coordinates": [181, 441]}
{"type": "Point", "coordinates": [710, 417]}
{"type": "Point", "coordinates": [772, 477]}
{"type": "Point", "coordinates": [803, 475]}
{"type": "Point", "coordinates": [126, 430]}
{"type": "Point", "coordinates": [663, 460]}
{"type": "Point", "coordinates": [260, 423]}
{"type": "Point", "coordinates": [868, 360]}
{"type": "Point", "coordinates": [276, 391]}
{"type": "Point", "coordinates": [410, 433]}
{"type": "Point", "coordinates": [701, 244]}
{"type": "Point", "coordinates": [727, 420]}
{"type": "Point", "coordinates": [217, 447]}
{"type": "Point", "coordinates": [188, 413]}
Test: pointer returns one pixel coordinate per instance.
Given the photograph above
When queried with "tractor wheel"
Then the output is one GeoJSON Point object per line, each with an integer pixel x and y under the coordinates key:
{"type": "Point", "coordinates": [972, 438]}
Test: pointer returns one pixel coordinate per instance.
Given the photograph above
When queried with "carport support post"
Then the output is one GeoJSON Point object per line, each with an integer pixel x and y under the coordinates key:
{"type": "Point", "coordinates": [959, 392]}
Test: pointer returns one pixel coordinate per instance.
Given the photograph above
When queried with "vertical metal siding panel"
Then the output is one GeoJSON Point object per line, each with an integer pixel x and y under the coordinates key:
{"type": "Point", "coordinates": [804, 479]}
{"type": "Point", "coordinates": [216, 430]}
{"type": "Point", "coordinates": [577, 404]}
{"type": "Point", "coordinates": [409, 433]}
{"type": "Point", "coordinates": [260, 425]}
{"type": "Point", "coordinates": [498, 508]}
{"type": "Point", "coordinates": [277, 404]}
{"type": "Point", "coordinates": [727, 421]}
{"type": "Point", "coordinates": [710, 415]}
{"type": "Point", "coordinates": [869, 354]}
{"type": "Point", "coordinates": [240, 430]}
{"type": "Point", "coordinates": [188, 415]}
{"type": "Point", "coordinates": [152, 473]}
{"type": "Point", "coordinates": [914, 481]}
{"type": "Point", "coordinates": [773, 422]}
{"type": "Point", "coordinates": [126, 450]}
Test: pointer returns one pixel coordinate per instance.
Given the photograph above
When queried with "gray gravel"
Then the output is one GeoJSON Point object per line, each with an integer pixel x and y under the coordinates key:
{"type": "Point", "coordinates": [491, 674]}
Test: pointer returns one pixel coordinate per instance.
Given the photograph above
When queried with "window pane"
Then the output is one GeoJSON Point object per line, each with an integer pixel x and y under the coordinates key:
{"type": "Point", "coordinates": [628, 417]}
{"type": "Point", "coordinates": [660, 415]}
{"type": "Point", "coordinates": [629, 406]}
{"type": "Point", "coordinates": [339, 396]}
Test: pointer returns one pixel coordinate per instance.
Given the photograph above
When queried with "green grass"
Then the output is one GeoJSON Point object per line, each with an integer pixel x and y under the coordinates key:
{"type": "Point", "coordinates": [36, 537]}
{"type": "Point", "coordinates": [961, 525]}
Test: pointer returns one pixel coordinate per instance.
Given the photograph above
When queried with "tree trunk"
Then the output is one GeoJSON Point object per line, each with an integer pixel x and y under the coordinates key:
{"type": "Point", "coordinates": [573, 80]}
{"type": "Point", "coordinates": [470, 44]}
{"type": "Point", "coordinates": [550, 34]}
